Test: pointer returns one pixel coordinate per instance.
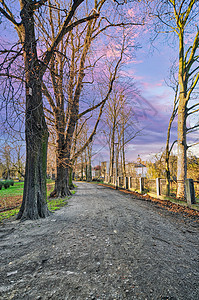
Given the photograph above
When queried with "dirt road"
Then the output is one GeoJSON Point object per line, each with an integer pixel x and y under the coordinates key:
{"type": "Point", "coordinates": [103, 245]}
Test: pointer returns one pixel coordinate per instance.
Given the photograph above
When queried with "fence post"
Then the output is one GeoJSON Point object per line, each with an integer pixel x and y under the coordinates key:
{"type": "Point", "coordinates": [158, 186]}
{"type": "Point", "coordinates": [126, 183]}
{"type": "Point", "coordinates": [129, 182]}
{"type": "Point", "coordinates": [141, 179]}
{"type": "Point", "coordinates": [190, 193]}
{"type": "Point", "coordinates": [118, 181]}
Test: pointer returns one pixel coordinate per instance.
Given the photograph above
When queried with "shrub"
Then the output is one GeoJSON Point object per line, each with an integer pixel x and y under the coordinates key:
{"type": "Point", "coordinates": [6, 184]}
{"type": "Point", "coordinates": [11, 181]}
{"type": "Point", "coordinates": [1, 185]}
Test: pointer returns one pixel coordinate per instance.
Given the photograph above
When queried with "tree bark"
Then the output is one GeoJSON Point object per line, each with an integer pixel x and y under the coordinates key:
{"type": "Point", "coordinates": [70, 183]}
{"type": "Point", "coordinates": [89, 166]}
{"type": "Point", "coordinates": [34, 203]}
{"type": "Point", "coordinates": [182, 116]}
{"type": "Point", "coordinates": [182, 151]}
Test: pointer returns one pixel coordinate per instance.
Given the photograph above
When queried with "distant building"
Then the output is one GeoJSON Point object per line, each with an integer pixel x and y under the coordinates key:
{"type": "Point", "coordinates": [140, 169]}
{"type": "Point", "coordinates": [97, 171]}
{"type": "Point", "coordinates": [136, 169]}
{"type": "Point", "coordinates": [104, 170]}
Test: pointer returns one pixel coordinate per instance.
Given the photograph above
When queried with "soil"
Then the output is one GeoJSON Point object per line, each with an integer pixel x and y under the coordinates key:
{"type": "Point", "coordinates": [104, 245]}
{"type": "Point", "coordinates": [10, 202]}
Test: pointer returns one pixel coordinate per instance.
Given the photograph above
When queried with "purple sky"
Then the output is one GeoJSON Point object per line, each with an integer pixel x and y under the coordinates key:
{"type": "Point", "coordinates": [150, 69]}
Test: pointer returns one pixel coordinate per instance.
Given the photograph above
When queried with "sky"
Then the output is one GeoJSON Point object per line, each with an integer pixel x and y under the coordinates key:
{"type": "Point", "coordinates": [150, 71]}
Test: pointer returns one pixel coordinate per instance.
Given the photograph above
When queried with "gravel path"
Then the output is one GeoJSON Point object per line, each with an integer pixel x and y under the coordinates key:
{"type": "Point", "coordinates": [103, 245]}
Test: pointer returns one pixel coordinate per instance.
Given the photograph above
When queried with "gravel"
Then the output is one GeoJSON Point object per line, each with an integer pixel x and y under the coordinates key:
{"type": "Point", "coordinates": [103, 245]}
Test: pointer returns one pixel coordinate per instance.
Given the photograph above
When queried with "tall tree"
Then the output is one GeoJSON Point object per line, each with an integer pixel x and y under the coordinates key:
{"type": "Point", "coordinates": [6, 158]}
{"type": "Point", "coordinates": [65, 102]}
{"type": "Point", "coordinates": [120, 127]}
{"type": "Point", "coordinates": [168, 148]}
{"type": "Point", "coordinates": [180, 17]}
{"type": "Point", "coordinates": [34, 203]}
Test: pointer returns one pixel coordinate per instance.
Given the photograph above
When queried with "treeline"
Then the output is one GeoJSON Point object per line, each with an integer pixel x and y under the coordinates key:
{"type": "Point", "coordinates": [156, 167]}
{"type": "Point", "coordinates": [62, 70]}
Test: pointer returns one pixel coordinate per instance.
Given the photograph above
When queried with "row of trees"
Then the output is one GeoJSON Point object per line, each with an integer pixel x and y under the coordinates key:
{"type": "Point", "coordinates": [177, 20]}
{"type": "Point", "coordinates": [180, 18]}
{"type": "Point", "coordinates": [60, 52]}
{"type": "Point", "coordinates": [54, 48]}
{"type": "Point", "coordinates": [156, 167]}
{"type": "Point", "coordinates": [12, 160]}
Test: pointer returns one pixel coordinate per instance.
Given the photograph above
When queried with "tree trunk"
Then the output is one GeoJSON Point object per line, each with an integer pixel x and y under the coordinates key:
{"type": "Point", "coordinates": [182, 116]}
{"type": "Point", "coordinates": [112, 154]}
{"type": "Point", "coordinates": [167, 177]}
{"type": "Point", "coordinates": [82, 168]}
{"type": "Point", "coordinates": [167, 156]}
{"type": "Point", "coordinates": [89, 168]}
{"type": "Point", "coordinates": [168, 151]}
{"type": "Point", "coordinates": [123, 155]}
{"type": "Point", "coordinates": [182, 151]}
{"type": "Point", "coordinates": [34, 204]}
{"type": "Point", "coordinates": [61, 189]}
{"type": "Point", "coordinates": [70, 182]}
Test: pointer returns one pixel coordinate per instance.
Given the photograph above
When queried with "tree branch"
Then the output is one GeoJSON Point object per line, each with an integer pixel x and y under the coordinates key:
{"type": "Point", "coordinates": [90, 109]}
{"type": "Point", "coordinates": [64, 29]}
{"type": "Point", "coordinates": [102, 106]}
{"type": "Point", "coordinates": [192, 112]}
{"type": "Point", "coordinates": [192, 87]}
{"type": "Point", "coordinates": [8, 14]}
{"type": "Point", "coordinates": [49, 98]}
{"type": "Point", "coordinates": [191, 129]}
{"type": "Point", "coordinates": [193, 51]}
{"type": "Point", "coordinates": [192, 106]}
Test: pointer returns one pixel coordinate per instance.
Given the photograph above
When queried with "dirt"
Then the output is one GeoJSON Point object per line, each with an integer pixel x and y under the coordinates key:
{"type": "Point", "coordinates": [104, 245]}
{"type": "Point", "coordinates": [10, 202]}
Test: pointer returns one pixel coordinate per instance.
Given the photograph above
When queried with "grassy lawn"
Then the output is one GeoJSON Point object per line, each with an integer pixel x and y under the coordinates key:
{"type": "Point", "coordinates": [15, 190]}
{"type": "Point", "coordinates": [11, 198]}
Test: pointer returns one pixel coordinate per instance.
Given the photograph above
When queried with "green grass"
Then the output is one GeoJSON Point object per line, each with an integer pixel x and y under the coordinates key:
{"type": "Point", "coordinates": [17, 190]}
{"type": "Point", "coordinates": [8, 214]}
{"type": "Point", "coordinates": [55, 204]}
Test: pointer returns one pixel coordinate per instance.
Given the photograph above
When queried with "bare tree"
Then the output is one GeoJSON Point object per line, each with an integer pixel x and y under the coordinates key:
{"type": "Point", "coordinates": [179, 17]}
{"type": "Point", "coordinates": [168, 148]}
{"type": "Point", "coordinates": [65, 104]}
{"type": "Point", "coordinates": [19, 161]}
{"type": "Point", "coordinates": [121, 128]}
{"type": "Point", "coordinates": [34, 203]}
{"type": "Point", "coordinates": [6, 159]}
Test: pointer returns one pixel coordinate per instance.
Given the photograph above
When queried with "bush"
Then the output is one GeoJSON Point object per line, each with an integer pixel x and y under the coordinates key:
{"type": "Point", "coordinates": [1, 185]}
{"type": "Point", "coordinates": [11, 181]}
{"type": "Point", "coordinates": [6, 184]}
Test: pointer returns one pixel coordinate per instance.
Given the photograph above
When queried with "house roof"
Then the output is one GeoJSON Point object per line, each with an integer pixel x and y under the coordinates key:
{"type": "Point", "coordinates": [97, 168]}
{"type": "Point", "coordinates": [140, 165]}
{"type": "Point", "coordinates": [137, 165]}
